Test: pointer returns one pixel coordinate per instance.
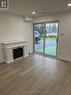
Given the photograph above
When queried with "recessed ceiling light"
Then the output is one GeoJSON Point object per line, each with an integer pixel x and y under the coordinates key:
{"type": "Point", "coordinates": [69, 4]}
{"type": "Point", "coordinates": [33, 13]}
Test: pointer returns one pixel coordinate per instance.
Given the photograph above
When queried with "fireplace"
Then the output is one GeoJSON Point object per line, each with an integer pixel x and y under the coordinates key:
{"type": "Point", "coordinates": [14, 50]}
{"type": "Point", "coordinates": [18, 52]}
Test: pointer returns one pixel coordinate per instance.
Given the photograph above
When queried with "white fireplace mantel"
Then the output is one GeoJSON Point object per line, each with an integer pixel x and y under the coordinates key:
{"type": "Point", "coordinates": [7, 49]}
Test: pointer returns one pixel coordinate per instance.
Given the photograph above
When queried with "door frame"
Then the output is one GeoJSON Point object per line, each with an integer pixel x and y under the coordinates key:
{"type": "Point", "coordinates": [44, 39]}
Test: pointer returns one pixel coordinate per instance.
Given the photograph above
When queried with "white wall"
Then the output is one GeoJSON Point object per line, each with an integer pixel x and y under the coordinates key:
{"type": "Point", "coordinates": [64, 47]}
{"type": "Point", "coordinates": [14, 28]}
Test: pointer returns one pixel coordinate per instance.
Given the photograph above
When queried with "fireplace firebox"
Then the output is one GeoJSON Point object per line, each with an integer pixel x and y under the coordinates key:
{"type": "Point", "coordinates": [17, 52]}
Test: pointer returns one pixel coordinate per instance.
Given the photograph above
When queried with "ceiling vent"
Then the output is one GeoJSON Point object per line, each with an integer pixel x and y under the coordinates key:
{"type": "Point", "coordinates": [43, 13]}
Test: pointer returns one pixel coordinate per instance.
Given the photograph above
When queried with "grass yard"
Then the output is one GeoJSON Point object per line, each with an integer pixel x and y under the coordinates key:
{"type": "Point", "coordinates": [50, 50]}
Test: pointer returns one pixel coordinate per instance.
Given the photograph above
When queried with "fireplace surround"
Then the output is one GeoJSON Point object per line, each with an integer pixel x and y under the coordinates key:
{"type": "Point", "coordinates": [14, 50]}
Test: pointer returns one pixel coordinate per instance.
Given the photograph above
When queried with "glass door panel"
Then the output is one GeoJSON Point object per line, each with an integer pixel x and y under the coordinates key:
{"type": "Point", "coordinates": [51, 38]}
{"type": "Point", "coordinates": [38, 37]}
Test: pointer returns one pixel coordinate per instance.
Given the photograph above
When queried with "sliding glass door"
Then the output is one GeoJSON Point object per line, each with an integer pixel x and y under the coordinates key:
{"type": "Point", "coordinates": [46, 38]}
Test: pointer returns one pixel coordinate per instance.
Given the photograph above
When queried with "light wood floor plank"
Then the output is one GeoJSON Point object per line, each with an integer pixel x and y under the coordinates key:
{"type": "Point", "coordinates": [36, 75]}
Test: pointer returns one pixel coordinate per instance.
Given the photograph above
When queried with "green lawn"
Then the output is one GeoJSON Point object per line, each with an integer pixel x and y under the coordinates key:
{"type": "Point", "coordinates": [50, 50]}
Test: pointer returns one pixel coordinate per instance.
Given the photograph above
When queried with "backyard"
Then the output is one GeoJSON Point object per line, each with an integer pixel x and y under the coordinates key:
{"type": "Point", "coordinates": [50, 46]}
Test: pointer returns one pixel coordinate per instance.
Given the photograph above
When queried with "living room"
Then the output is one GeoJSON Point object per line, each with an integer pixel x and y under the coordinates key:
{"type": "Point", "coordinates": [28, 67]}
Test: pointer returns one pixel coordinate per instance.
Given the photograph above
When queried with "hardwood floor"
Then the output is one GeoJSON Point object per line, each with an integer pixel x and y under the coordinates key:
{"type": "Point", "coordinates": [36, 75]}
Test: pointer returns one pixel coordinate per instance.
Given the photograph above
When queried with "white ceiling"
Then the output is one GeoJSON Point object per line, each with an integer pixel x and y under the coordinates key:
{"type": "Point", "coordinates": [41, 7]}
